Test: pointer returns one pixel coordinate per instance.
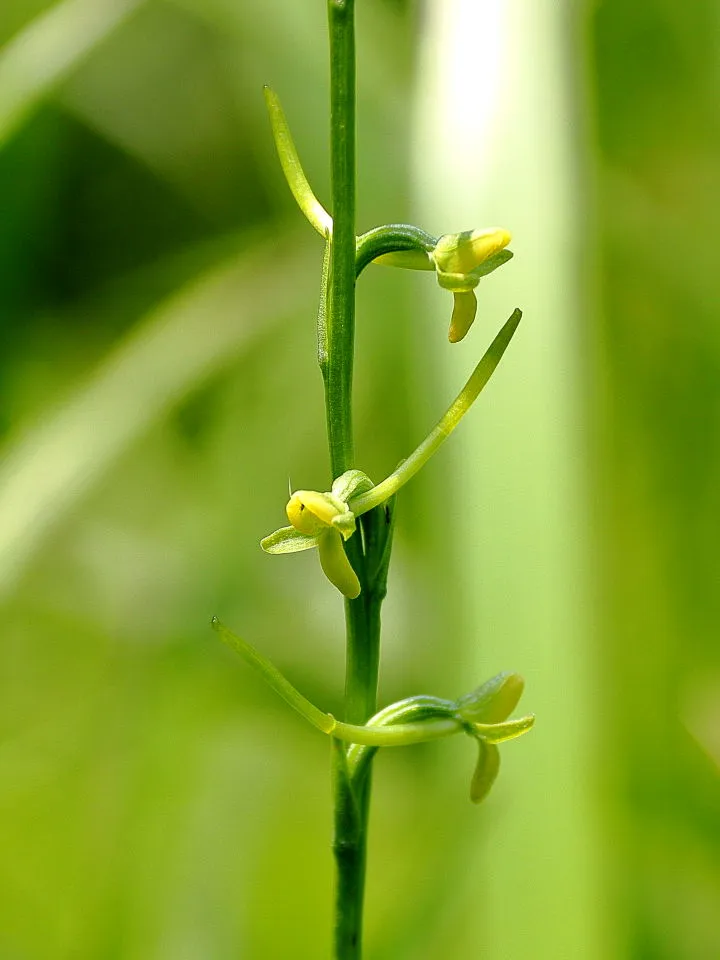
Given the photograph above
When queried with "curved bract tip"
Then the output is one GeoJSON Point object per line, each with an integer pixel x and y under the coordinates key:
{"type": "Point", "coordinates": [292, 168]}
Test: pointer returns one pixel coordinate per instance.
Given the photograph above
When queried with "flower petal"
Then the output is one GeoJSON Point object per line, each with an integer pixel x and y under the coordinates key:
{"type": "Point", "coordinates": [499, 732]}
{"type": "Point", "coordinates": [492, 263]}
{"type": "Point", "coordinates": [463, 252]}
{"type": "Point", "coordinates": [494, 701]}
{"type": "Point", "coordinates": [288, 540]}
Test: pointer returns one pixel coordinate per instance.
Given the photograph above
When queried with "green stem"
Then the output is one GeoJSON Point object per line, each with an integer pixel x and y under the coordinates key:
{"type": "Point", "coordinates": [362, 616]}
{"type": "Point", "coordinates": [341, 314]}
{"type": "Point", "coordinates": [362, 619]}
{"type": "Point", "coordinates": [349, 848]}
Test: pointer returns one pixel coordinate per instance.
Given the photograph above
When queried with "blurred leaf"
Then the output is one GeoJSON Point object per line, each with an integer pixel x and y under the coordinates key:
{"type": "Point", "coordinates": [181, 343]}
{"type": "Point", "coordinates": [48, 49]}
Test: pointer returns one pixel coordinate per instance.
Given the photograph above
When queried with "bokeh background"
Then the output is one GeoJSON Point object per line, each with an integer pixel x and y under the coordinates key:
{"type": "Point", "coordinates": [158, 390]}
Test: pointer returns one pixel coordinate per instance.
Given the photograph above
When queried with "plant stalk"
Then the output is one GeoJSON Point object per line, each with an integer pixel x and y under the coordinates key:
{"type": "Point", "coordinates": [350, 838]}
{"type": "Point", "coordinates": [362, 616]}
{"type": "Point", "coordinates": [338, 371]}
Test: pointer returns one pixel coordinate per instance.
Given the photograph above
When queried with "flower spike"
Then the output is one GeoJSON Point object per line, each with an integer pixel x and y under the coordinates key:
{"type": "Point", "coordinates": [292, 168]}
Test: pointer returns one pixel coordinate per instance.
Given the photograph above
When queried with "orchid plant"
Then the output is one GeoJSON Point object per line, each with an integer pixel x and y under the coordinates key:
{"type": "Point", "coordinates": [351, 525]}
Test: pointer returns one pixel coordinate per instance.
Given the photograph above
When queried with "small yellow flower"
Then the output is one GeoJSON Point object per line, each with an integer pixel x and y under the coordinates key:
{"type": "Point", "coordinates": [461, 259]}
{"type": "Point", "coordinates": [484, 713]}
{"type": "Point", "coordinates": [323, 520]}
{"type": "Point", "coordinates": [328, 518]}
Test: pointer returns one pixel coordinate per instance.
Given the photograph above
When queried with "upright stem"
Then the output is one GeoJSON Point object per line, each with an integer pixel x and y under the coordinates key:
{"type": "Point", "coordinates": [362, 619]}
{"type": "Point", "coordinates": [341, 313]}
{"type": "Point", "coordinates": [352, 800]}
{"type": "Point", "coordinates": [363, 614]}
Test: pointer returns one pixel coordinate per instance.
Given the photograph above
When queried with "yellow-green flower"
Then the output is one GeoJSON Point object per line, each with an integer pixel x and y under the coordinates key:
{"type": "Point", "coordinates": [461, 259]}
{"type": "Point", "coordinates": [484, 714]}
{"type": "Point", "coordinates": [323, 520]}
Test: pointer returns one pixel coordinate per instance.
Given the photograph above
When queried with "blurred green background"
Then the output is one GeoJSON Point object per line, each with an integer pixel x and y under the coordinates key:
{"type": "Point", "coordinates": [158, 389]}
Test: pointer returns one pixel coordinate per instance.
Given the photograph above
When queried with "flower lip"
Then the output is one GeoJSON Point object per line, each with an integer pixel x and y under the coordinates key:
{"type": "Point", "coordinates": [463, 315]}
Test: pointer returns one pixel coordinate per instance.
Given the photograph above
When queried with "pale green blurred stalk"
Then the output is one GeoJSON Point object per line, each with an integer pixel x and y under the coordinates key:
{"type": "Point", "coordinates": [494, 143]}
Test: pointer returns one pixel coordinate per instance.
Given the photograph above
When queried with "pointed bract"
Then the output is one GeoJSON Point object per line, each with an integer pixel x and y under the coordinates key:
{"type": "Point", "coordinates": [292, 168]}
